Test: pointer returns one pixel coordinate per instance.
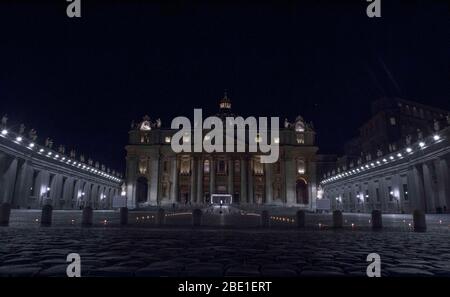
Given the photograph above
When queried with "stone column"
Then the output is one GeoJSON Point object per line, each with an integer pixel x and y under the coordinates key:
{"type": "Point", "coordinates": [212, 176]}
{"type": "Point", "coordinates": [243, 172]}
{"type": "Point", "coordinates": [23, 185]}
{"type": "Point", "coordinates": [283, 179]}
{"type": "Point", "coordinates": [312, 188]}
{"type": "Point", "coordinates": [193, 179]}
{"type": "Point", "coordinates": [383, 191]}
{"type": "Point", "coordinates": [250, 197]}
{"type": "Point", "coordinates": [56, 190]}
{"type": "Point", "coordinates": [429, 187]}
{"type": "Point", "coordinates": [68, 192]}
{"type": "Point", "coordinates": [269, 186]}
{"type": "Point", "coordinates": [174, 188]}
{"type": "Point", "coordinates": [415, 189]}
{"type": "Point", "coordinates": [154, 180]}
{"type": "Point", "coordinates": [230, 176]}
{"type": "Point", "coordinates": [398, 200]}
{"type": "Point", "coordinates": [290, 181]}
{"type": "Point", "coordinates": [131, 181]}
{"type": "Point", "coordinates": [9, 179]}
{"type": "Point", "coordinates": [200, 181]}
{"type": "Point", "coordinates": [443, 182]}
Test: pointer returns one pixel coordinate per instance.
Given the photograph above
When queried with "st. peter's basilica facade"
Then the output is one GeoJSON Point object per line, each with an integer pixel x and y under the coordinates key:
{"type": "Point", "coordinates": [156, 175]}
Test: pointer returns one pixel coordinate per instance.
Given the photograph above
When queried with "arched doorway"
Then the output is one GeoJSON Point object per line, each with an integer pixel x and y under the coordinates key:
{"type": "Point", "coordinates": [302, 191]}
{"type": "Point", "coordinates": [141, 189]}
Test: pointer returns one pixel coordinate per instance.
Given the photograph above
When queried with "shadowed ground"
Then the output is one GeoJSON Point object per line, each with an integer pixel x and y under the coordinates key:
{"type": "Point", "coordinates": [142, 249]}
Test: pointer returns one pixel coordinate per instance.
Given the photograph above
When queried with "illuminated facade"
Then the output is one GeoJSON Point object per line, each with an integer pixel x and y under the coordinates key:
{"type": "Point", "coordinates": [156, 175]}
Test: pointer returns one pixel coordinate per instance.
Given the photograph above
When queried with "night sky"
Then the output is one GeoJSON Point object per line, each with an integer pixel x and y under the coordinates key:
{"type": "Point", "coordinates": [82, 81]}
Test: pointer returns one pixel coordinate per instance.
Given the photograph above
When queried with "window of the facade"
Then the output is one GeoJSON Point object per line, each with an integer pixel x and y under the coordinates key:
{"type": "Point", "coordinates": [277, 167]}
{"type": "Point", "coordinates": [301, 166]}
{"type": "Point", "coordinates": [185, 166]}
{"type": "Point", "coordinates": [393, 121]}
{"type": "Point", "coordinates": [206, 166]}
{"type": "Point", "coordinates": [237, 166]}
{"type": "Point", "coordinates": [300, 138]}
{"type": "Point", "coordinates": [258, 168]}
{"type": "Point", "coordinates": [143, 166]}
{"type": "Point", "coordinates": [221, 167]}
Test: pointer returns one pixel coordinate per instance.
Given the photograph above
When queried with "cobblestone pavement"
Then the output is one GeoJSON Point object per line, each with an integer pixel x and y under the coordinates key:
{"type": "Point", "coordinates": [133, 251]}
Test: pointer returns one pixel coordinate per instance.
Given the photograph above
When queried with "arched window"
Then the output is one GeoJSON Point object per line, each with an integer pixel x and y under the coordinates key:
{"type": "Point", "coordinates": [302, 191]}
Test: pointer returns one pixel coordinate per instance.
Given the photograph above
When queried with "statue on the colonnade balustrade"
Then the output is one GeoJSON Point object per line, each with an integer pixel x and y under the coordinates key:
{"type": "Point", "coordinates": [22, 129]}
{"type": "Point", "coordinates": [419, 134]}
{"type": "Point", "coordinates": [408, 139]}
{"type": "Point", "coordinates": [72, 153]}
{"type": "Point", "coordinates": [82, 158]}
{"type": "Point", "coordinates": [158, 123]}
{"type": "Point", "coordinates": [379, 153]}
{"type": "Point", "coordinates": [436, 125]}
{"type": "Point", "coordinates": [49, 142]}
{"type": "Point", "coordinates": [4, 120]}
{"type": "Point", "coordinates": [32, 134]}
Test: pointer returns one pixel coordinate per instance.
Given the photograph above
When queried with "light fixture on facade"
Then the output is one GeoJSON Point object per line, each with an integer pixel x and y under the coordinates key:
{"type": "Point", "coordinates": [391, 157]}
{"type": "Point", "coordinates": [399, 155]}
{"type": "Point", "coordinates": [48, 189]}
{"type": "Point", "coordinates": [167, 139]}
{"type": "Point", "coordinates": [56, 156]}
{"type": "Point", "coordinates": [4, 132]}
{"type": "Point", "coordinates": [408, 150]}
{"type": "Point", "coordinates": [19, 139]}
{"type": "Point", "coordinates": [436, 137]}
{"type": "Point", "coordinates": [41, 150]}
{"type": "Point", "coordinates": [384, 160]}
{"type": "Point", "coordinates": [123, 193]}
{"type": "Point", "coordinates": [421, 144]}
{"type": "Point", "coordinates": [276, 140]}
{"type": "Point", "coordinates": [49, 153]}
{"type": "Point", "coordinates": [31, 145]}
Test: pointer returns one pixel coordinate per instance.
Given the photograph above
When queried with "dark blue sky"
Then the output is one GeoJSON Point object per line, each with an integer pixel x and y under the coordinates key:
{"type": "Point", "coordinates": [82, 81]}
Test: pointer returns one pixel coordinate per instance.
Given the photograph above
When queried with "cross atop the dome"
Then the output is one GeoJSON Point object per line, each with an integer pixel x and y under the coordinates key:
{"type": "Point", "coordinates": [225, 102]}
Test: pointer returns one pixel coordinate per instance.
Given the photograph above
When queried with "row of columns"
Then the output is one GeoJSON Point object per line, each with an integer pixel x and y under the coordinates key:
{"type": "Point", "coordinates": [428, 189]}
{"type": "Point", "coordinates": [20, 181]}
